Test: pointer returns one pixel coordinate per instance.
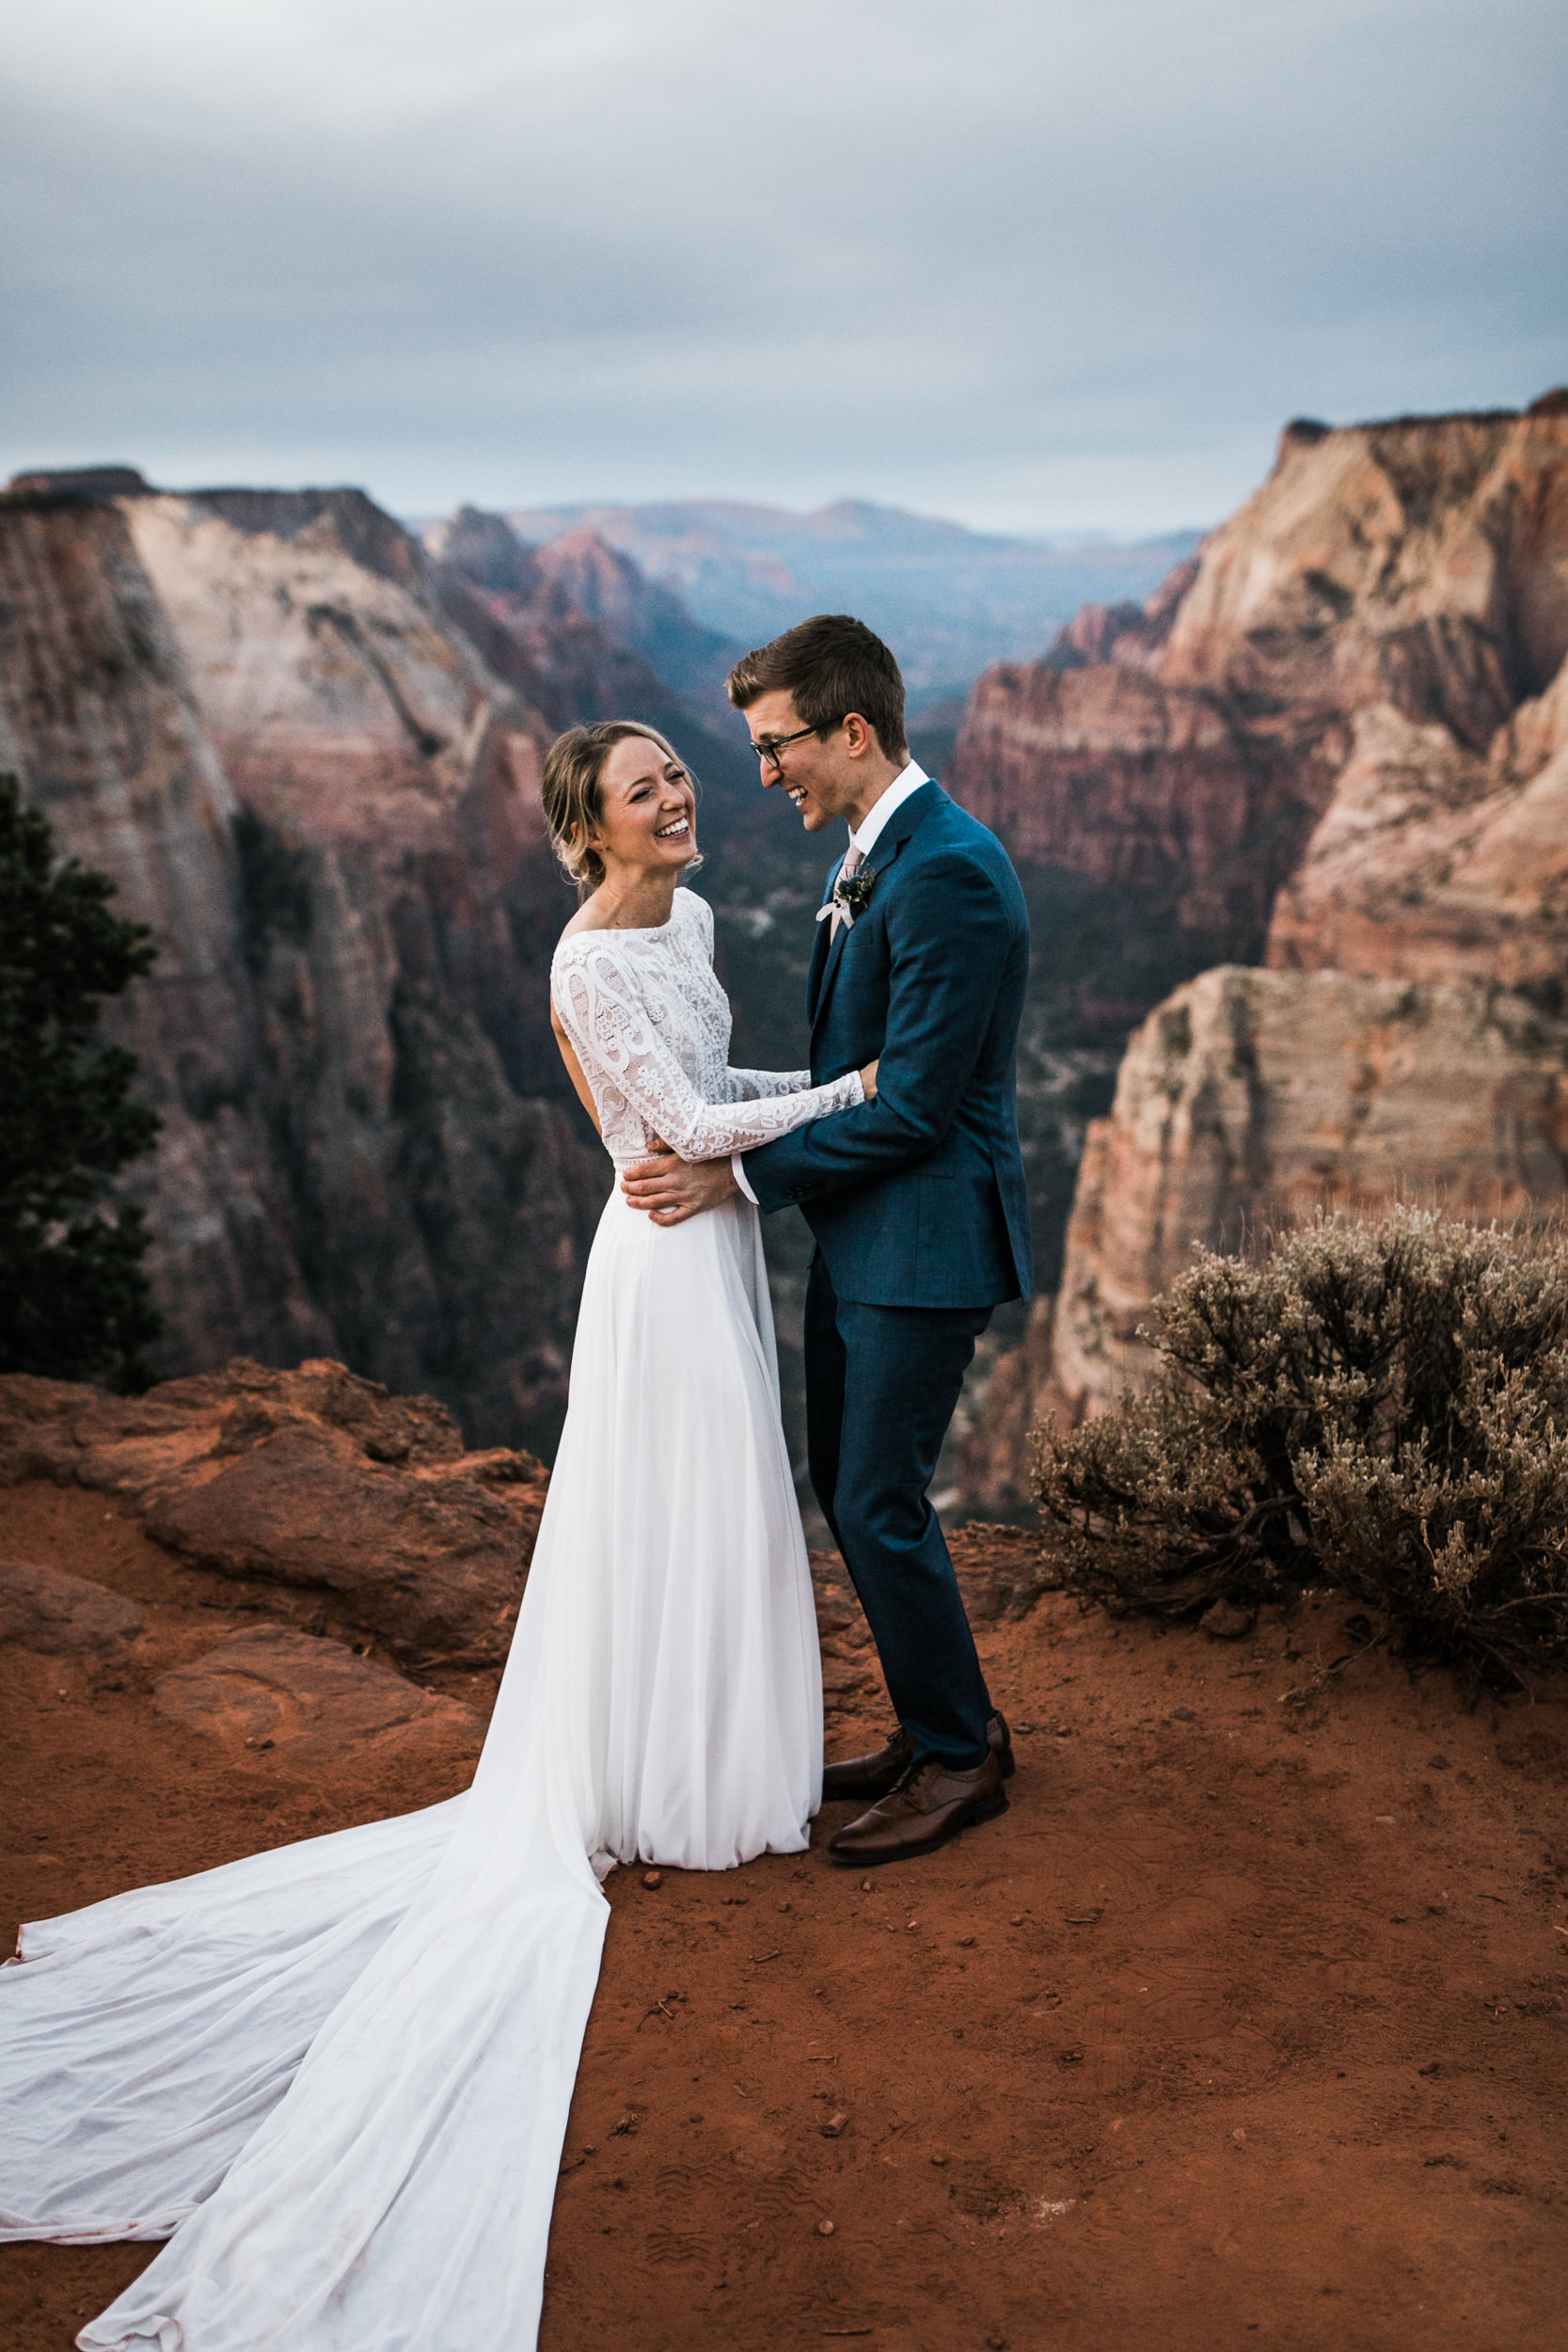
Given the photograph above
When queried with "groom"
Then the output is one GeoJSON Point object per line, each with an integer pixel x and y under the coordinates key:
{"type": "Point", "coordinates": [916, 1198]}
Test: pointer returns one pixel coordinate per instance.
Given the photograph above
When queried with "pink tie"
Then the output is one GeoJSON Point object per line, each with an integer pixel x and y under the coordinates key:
{"type": "Point", "coordinates": [854, 860]}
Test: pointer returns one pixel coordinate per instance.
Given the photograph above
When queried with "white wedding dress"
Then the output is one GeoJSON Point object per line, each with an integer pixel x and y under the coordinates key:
{"type": "Point", "coordinates": [337, 2077]}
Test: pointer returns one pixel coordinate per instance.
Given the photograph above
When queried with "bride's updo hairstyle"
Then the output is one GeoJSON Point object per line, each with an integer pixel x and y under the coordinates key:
{"type": "Point", "coordinates": [573, 798]}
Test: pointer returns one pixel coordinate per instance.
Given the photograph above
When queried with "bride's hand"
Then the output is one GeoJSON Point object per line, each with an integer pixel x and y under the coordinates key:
{"type": "Point", "coordinates": [868, 1079]}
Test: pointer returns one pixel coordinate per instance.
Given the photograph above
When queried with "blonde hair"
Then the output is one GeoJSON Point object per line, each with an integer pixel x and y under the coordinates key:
{"type": "Point", "coordinates": [573, 792]}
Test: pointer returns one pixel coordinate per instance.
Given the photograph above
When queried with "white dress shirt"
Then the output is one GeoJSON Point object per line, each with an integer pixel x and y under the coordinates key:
{"type": "Point", "coordinates": [868, 833]}
{"type": "Point", "coordinates": [863, 837]}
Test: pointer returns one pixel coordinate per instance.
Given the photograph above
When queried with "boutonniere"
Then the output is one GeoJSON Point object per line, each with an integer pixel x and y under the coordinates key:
{"type": "Point", "coordinates": [851, 896]}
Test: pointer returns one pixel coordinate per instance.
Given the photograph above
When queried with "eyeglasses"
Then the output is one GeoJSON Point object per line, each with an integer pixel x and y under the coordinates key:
{"type": "Point", "coordinates": [768, 751]}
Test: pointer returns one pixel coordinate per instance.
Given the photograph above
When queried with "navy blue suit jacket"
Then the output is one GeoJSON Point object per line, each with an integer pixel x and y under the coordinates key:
{"type": "Point", "coordinates": [917, 1199]}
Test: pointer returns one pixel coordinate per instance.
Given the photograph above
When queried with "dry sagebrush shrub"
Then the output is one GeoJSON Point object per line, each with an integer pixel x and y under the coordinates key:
{"type": "Point", "coordinates": [1379, 1407]}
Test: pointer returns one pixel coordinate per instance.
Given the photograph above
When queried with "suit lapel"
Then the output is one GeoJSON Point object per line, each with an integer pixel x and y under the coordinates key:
{"type": "Point", "coordinates": [819, 951]}
{"type": "Point", "coordinates": [899, 826]}
{"type": "Point", "coordinates": [831, 960]}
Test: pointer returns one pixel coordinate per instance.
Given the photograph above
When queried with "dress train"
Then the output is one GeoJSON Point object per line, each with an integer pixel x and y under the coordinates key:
{"type": "Point", "coordinates": [340, 2072]}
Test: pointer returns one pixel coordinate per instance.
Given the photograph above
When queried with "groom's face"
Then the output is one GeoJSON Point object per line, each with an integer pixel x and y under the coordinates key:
{"type": "Point", "coordinates": [820, 773]}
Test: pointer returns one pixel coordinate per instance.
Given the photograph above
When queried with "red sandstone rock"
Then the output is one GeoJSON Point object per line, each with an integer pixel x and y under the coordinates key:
{"type": "Point", "coordinates": [313, 1478]}
{"type": "Point", "coordinates": [851, 1678]}
{"type": "Point", "coordinates": [1343, 729]}
{"type": "Point", "coordinates": [1418, 567]}
{"type": "Point", "coordinates": [433, 1563]}
{"type": "Point", "coordinates": [576, 627]}
{"type": "Point", "coordinates": [1432, 862]}
{"type": "Point", "coordinates": [1105, 770]}
{"type": "Point", "coordinates": [270, 1688]}
{"type": "Point", "coordinates": [641, 614]}
{"type": "Point", "coordinates": [1229, 1856]}
{"type": "Point", "coordinates": [57, 1614]}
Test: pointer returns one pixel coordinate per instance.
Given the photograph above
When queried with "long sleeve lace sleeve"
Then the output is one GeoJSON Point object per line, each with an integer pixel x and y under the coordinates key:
{"type": "Point", "coordinates": [631, 1069]}
{"type": "Point", "coordinates": [753, 1086]}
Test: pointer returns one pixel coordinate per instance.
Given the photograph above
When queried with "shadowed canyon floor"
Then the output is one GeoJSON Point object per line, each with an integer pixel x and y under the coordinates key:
{"type": "Point", "coordinates": [1247, 2026]}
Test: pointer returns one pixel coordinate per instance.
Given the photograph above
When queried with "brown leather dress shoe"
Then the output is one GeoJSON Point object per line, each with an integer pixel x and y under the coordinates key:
{"type": "Point", "coordinates": [868, 1778]}
{"type": "Point", "coordinates": [871, 1776]}
{"type": "Point", "coordinates": [1000, 1741]}
{"type": "Point", "coordinates": [932, 1803]}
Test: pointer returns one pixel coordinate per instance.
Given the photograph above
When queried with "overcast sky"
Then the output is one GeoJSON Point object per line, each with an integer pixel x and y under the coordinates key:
{"type": "Point", "coordinates": [1040, 266]}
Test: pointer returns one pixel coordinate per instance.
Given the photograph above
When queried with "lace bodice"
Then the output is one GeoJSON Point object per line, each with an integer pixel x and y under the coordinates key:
{"type": "Point", "coordinates": [651, 1027]}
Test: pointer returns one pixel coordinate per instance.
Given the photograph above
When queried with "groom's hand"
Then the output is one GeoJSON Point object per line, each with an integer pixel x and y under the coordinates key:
{"type": "Point", "coordinates": [670, 1190]}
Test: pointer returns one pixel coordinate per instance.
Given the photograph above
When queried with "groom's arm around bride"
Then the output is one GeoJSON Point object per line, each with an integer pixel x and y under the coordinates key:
{"type": "Point", "coordinates": [916, 1199]}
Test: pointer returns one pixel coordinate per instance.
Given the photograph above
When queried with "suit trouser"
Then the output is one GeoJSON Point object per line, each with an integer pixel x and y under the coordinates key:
{"type": "Point", "coordinates": [882, 1385]}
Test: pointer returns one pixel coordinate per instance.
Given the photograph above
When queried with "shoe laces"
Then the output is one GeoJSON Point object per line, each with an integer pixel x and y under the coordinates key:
{"type": "Point", "coordinates": [932, 1765]}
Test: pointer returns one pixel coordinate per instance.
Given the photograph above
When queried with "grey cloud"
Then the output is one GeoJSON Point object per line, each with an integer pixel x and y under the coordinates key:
{"type": "Point", "coordinates": [1012, 260]}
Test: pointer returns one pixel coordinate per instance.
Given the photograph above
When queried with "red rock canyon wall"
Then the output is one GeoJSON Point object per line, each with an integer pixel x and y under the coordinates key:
{"type": "Point", "coordinates": [1338, 741]}
{"type": "Point", "coordinates": [252, 708]}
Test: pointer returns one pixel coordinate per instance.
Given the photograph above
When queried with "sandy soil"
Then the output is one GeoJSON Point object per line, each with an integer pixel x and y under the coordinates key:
{"type": "Point", "coordinates": [1247, 2026]}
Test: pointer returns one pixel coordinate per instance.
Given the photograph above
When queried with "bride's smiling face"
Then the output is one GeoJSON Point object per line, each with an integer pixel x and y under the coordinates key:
{"type": "Point", "coordinates": [648, 810]}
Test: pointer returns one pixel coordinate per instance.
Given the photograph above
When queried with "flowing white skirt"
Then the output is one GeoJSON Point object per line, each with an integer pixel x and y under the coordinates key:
{"type": "Point", "coordinates": [337, 2077]}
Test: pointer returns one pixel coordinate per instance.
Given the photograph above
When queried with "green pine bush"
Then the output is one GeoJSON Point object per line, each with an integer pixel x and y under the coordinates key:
{"type": "Point", "coordinates": [1377, 1406]}
{"type": "Point", "coordinates": [75, 1303]}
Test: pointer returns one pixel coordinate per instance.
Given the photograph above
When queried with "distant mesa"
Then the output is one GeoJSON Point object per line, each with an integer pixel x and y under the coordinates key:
{"type": "Point", "coordinates": [487, 551]}
{"type": "Point", "coordinates": [575, 627]}
{"type": "Point", "coordinates": [102, 482]}
{"type": "Point", "coordinates": [948, 600]}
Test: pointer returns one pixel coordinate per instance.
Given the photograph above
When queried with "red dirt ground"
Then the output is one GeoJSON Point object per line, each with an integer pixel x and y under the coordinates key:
{"type": "Point", "coordinates": [1247, 2026]}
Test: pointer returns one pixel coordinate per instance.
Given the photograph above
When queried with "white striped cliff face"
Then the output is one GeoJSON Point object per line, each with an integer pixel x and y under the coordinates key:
{"type": "Point", "coordinates": [326, 678]}
{"type": "Point", "coordinates": [250, 709]}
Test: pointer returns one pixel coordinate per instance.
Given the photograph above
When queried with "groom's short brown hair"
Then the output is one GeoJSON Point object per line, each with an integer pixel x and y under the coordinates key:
{"type": "Point", "coordinates": [829, 666]}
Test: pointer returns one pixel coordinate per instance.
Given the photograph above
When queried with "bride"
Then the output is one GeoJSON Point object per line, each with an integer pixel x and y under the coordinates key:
{"type": "Point", "coordinates": [336, 2078]}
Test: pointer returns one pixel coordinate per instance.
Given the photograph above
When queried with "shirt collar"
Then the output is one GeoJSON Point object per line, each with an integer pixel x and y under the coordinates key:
{"type": "Point", "coordinates": [908, 780]}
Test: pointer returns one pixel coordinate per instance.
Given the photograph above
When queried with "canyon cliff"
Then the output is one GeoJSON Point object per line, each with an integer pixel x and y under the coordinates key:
{"type": "Point", "coordinates": [1432, 859]}
{"type": "Point", "coordinates": [1252, 1097]}
{"type": "Point", "coordinates": [581, 580]}
{"type": "Point", "coordinates": [1184, 752]}
{"type": "Point", "coordinates": [1333, 744]}
{"type": "Point", "coordinates": [528, 610]}
{"type": "Point", "coordinates": [251, 709]}
{"type": "Point", "coordinates": [308, 749]}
